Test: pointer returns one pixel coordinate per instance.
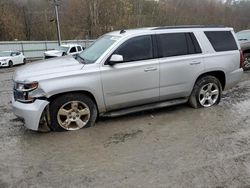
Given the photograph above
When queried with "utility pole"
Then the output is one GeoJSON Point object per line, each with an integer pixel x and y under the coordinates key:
{"type": "Point", "coordinates": [56, 4]}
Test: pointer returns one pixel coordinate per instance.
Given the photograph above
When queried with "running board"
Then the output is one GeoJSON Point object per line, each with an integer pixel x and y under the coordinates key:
{"type": "Point", "coordinates": [145, 107]}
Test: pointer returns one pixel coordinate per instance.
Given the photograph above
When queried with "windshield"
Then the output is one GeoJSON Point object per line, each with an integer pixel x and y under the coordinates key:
{"type": "Point", "coordinates": [244, 35]}
{"type": "Point", "coordinates": [5, 54]}
{"type": "Point", "coordinates": [63, 49]}
{"type": "Point", "coordinates": [92, 53]}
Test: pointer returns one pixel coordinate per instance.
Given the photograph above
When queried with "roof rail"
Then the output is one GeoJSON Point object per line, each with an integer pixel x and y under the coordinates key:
{"type": "Point", "coordinates": [188, 26]}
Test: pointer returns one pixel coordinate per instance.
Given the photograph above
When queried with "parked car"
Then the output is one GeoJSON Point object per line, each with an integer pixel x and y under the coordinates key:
{"type": "Point", "coordinates": [128, 71]}
{"type": "Point", "coordinates": [10, 58]}
{"type": "Point", "coordinates": [67, 49]}
{"type": "Point", "coordinates": [244, 38]}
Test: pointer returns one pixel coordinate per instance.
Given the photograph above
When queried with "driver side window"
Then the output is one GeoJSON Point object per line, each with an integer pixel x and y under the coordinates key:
{"type": "Point", "coordinates": [13, 54]}
{"type": "Point", "coordinates": [72, 50]}
{"type": "Point", "coordinates": [136, 49]}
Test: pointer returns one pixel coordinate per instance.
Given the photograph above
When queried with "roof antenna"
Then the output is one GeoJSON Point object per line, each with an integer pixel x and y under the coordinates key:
{"type": "Point", "coordinates": [122, 31]}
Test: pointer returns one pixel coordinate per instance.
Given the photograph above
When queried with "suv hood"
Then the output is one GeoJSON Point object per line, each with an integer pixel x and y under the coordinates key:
{"type": "Point", "coordinates": [47, 69]}
{"type": "Point", "coordinates": [53, 53]}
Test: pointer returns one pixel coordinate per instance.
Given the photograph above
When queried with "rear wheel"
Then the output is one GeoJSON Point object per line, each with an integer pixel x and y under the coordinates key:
{"type": "Point", "coordinates": [246, 62]}
{"type": "Point", "coordinates": [10, 64]}
{"type": "Point", "coordinates": [72, 112]}
{"type": "Point", "coordinates": [24, 61]}
{"type": "Point", "coordinates": [206, 92]}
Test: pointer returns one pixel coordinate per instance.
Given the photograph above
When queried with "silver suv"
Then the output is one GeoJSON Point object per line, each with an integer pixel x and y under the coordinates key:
{"type": "Point", "coordinates": [128, 71]}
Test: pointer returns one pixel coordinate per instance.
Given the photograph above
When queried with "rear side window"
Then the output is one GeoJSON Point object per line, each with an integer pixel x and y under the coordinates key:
{"type": "Point", "coordinates": [176, 44]}
{"type": "Point", "coordinates": [79, 48]}
{"type": "Point", "coordinates": [136, 49]}
{"type": "Point", "coordinates": [221, 40]}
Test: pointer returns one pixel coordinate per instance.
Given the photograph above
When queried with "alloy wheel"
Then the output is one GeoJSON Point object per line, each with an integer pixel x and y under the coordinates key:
{"type": "Point", "coordinates": [247, 62]}
{"type": "Point", "coordinates": [73, 115]}
{"type": "Point", "coordinates": [209, 94]}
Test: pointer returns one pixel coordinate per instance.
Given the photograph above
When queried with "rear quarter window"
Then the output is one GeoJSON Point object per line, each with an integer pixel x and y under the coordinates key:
{"type": "Point", "coordinates": [79, 48]}
{"type": "Point", "coordinates": [221, 40]}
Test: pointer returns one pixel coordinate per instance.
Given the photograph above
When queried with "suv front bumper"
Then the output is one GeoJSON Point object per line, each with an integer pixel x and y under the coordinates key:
{"type": "Point", "coordinates": [30, 112]}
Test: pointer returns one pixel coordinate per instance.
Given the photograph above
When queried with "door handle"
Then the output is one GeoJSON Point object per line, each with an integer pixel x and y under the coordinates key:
{"type": "Point", "coordinates": [195, 63]}
{"type": "Point", "coordinates": [149, 69]}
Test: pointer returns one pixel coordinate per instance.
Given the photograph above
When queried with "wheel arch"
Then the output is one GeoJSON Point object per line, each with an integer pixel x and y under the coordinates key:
{"type": "Point", "coordinates": [220, 75]}
{"type": "Point", "coordinates": [89, 94]}
{"type": "Point", "coordinates": [246, 51]}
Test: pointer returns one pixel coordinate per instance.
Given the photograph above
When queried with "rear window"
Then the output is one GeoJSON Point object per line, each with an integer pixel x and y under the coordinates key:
{"type": "Point", "coordinates": [177, 44]}
{"type": "Point", "coordinates": [221, 40]}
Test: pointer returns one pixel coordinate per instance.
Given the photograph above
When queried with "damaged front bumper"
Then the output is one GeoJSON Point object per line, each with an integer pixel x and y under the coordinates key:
{"type": "Point", "coordinates": [30, 112]}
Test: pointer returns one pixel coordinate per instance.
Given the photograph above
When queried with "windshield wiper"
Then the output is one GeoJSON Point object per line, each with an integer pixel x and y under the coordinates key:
{"type": "Point", "coordinates": [81, 59]}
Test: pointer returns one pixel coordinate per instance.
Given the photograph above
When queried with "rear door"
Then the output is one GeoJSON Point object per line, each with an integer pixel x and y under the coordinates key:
{"type": "Point", "coordinates": [135, 81]}
{"type": "Point", "coordinates": [180, 63]}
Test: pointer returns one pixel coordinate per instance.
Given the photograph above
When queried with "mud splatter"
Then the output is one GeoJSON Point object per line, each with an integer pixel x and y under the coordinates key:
{"type": "Point", "coordinates": [122, 137]}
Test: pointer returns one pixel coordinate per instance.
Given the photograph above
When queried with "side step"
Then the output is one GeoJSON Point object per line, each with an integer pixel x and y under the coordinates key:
{"type": "Point", "coordinates": [145, 107]}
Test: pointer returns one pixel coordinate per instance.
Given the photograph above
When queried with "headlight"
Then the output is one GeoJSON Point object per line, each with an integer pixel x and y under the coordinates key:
{"type": "Point", "coordinates": [24, 91]}
{"type": "Point", "coordinates": [26, 87]}
{"type": "Point", "coordinates": [3, 59]}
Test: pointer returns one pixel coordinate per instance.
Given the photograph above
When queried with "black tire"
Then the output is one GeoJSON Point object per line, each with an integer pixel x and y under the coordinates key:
{"type": "Point", "coordinates": [246, 65]}
{"type": "Point", "coordinates": [194, 100]}
{"type": "Point", "coordinates": [10, 64]}
{"type": "Point", "coordinates": [24, 61]}
{"type": "Point", "coordinates": [58, 102]}
{"type": "Point", "coordinates": [64, 54]}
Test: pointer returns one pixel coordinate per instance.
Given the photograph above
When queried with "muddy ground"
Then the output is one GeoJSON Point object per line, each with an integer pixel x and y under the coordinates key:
{"type": "Point", "coordinates": [171, 147]}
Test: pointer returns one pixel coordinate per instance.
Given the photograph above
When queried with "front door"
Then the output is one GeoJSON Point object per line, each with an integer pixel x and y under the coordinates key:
{"type": "Point", "coordinates": [134, 81]}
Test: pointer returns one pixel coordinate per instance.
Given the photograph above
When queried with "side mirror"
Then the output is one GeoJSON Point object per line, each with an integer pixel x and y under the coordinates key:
{"type": "Point", "coordinates": [115, 58]}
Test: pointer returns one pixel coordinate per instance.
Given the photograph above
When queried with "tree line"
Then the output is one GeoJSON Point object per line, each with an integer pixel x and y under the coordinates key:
{"type": "Point", "coordinates": [82, 19]}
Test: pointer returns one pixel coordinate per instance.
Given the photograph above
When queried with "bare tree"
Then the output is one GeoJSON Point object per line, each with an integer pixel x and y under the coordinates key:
{"type": "Point", "coordinates": [29, 19]}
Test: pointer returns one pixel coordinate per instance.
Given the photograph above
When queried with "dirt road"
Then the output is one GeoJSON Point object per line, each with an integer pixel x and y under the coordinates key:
{"type": "Point", "coordinates": [171, 147]}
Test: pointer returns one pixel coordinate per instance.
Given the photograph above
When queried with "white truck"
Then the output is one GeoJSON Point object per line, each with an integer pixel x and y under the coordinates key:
{"type": "Point", "coordinates": [66, 49]}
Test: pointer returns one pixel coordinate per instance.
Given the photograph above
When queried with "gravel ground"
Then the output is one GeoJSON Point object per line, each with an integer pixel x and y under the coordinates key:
{"type": "Point", "coordinates": [172, 147]}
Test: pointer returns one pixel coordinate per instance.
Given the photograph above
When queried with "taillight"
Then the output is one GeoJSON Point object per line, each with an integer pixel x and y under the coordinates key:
{"type": "Point", "coordinates": [242, 59]}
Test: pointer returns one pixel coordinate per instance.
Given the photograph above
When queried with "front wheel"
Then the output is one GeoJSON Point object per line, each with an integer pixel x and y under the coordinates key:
{"type": "Point", "coordinates": [10, 64]}
{"type": "Point", "coordinates": [206, 92]}
{"type": "Point", "coordinates": [72, 112]}
{"type": "Point", "coordinates": [246, 62]}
